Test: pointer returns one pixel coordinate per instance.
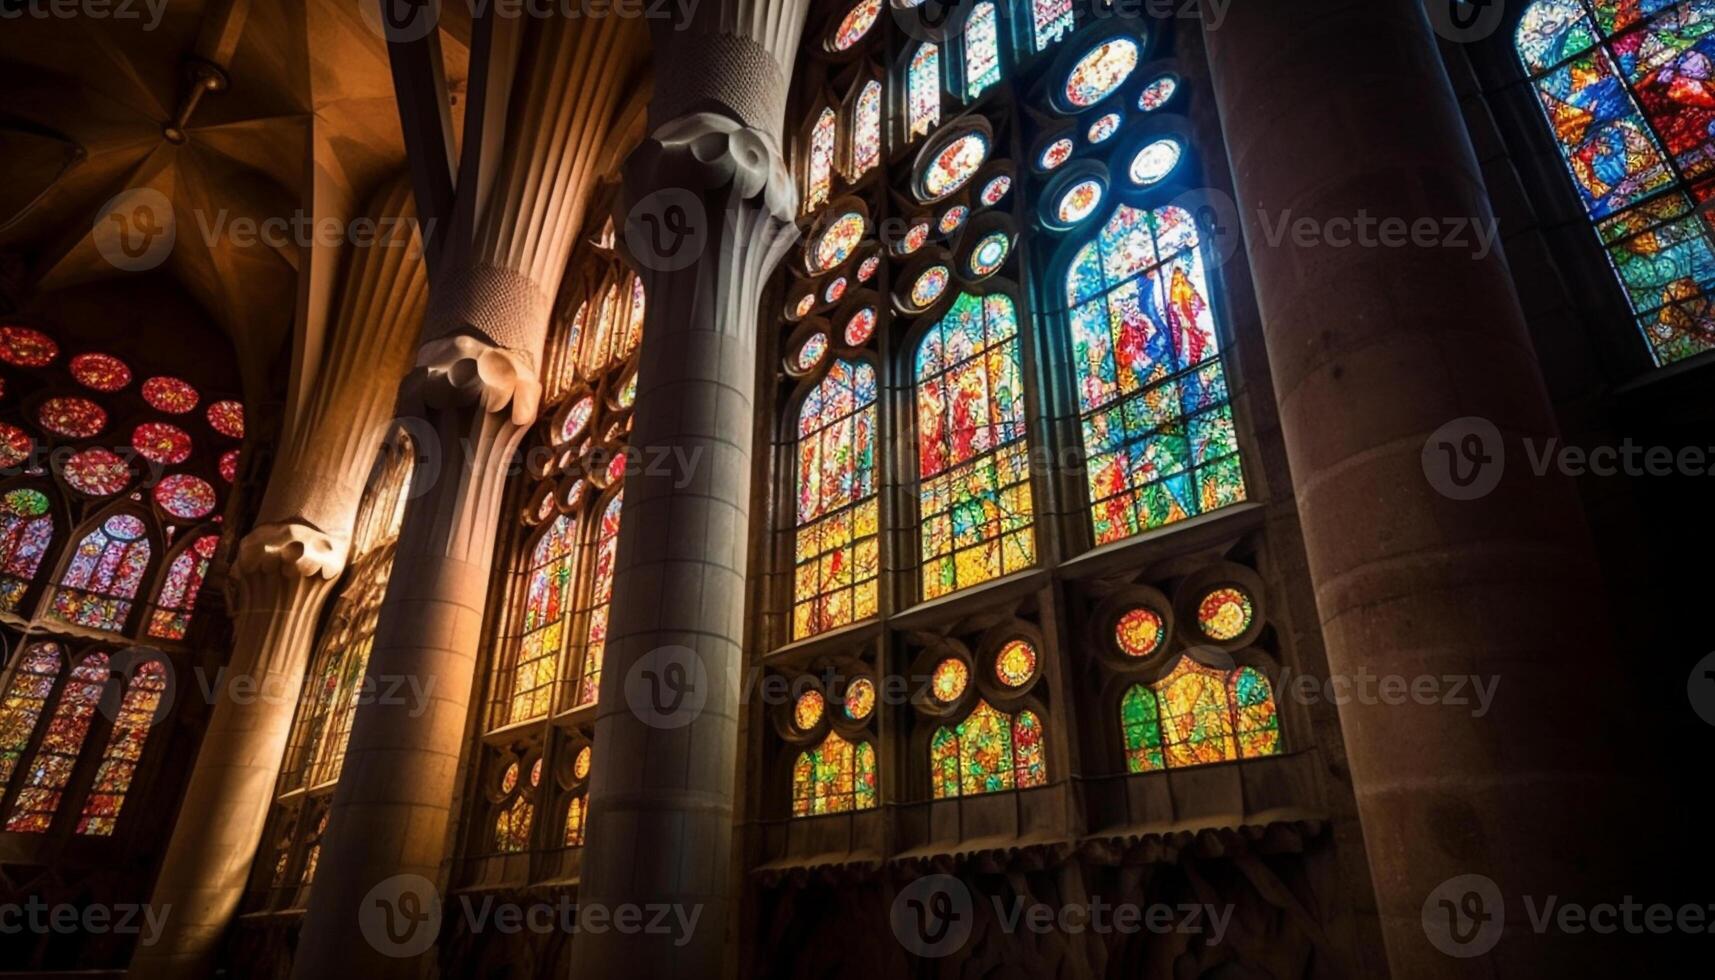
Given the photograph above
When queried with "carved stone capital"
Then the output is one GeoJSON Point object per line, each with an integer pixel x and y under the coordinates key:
{"type": "Point", "coordinates": [287, 550]}
{"type": "Point", "coordinates": [462, 370]}
{"type": "Point", "coordinates": [705, 152]}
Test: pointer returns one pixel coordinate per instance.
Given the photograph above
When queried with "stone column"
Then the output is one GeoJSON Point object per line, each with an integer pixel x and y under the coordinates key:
{"type": "Point", "coordinates": [1347, 113]}
{"type": "Point", "coordinates": [543, 94]}
{"type": "Point", "coordinates": [661, 796]}
{"type": "Point", "coordinates": [285, 570]}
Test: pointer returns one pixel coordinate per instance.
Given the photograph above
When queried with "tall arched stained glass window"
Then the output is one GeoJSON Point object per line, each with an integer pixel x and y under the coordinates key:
{"type": "Point", "coordinates": [972, 453]}
{"type": "Point", "coordinates": [822, 138]}
{"type": "Point", "coordinates": [26, 530]}
{"type": "Point", "coordinates": [178, 594]}
{"type": "Point", "coordinates": [600, 597]}
{"type": "Point", "coordinates": [26, 696]}
{"type": "Point", "coordinates": [923, 91]}
{"type": "Point", "coordinates": [1199, 714]}
{"type": "Point", "coordinates": [989, 752]}
{"type": "Point", "coordinates": [547, 611]}
{"type": "Point", "coordinates": [1152, 394]}
{"type": "Point", "coordinates": [102, 577]}
{"type": "Point", "coordinates": [834, 777]}
{"type": "Point", "coordinates": [50, 768]}
{"type": "Point", "coordinates": [119, 761]}
{"type": "Point", "coordinates": [1050, 21]}
{"type": "Point", "coordinates": [838, 556]}
{"type": "Point", "coordinates": [866, 129]}
{"type": "Point", "coordinates": [982, 50]}
{"type": "Point", "coordinates": [1628, 92]}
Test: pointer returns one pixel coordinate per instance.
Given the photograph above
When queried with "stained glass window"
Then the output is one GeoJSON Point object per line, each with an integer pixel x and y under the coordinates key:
{"type": "Point", "coordinates": [103, 576]}
{"type": "Point", "coordinates": [973, 457]}
{"type": "Point", "coordinates": [1628, 91]}
{"type": "Point", "coordinates": [989, 752]}
{"type": "Point", "coordinates": [512, 823]}
{"type": "Point", "coordinates": [1100, 71]}
{"type": "Point", "coordinates": [119, 761]}
{"type": "Point", "coordinates": [1051, 20]}
{"type": "Point", "coordinates": [982, 49]}
{"type": "Point", "coordinates": [822, 137]}
{"type": "Point", "coordinates": [50, 768]}
{"type": "Point", "coordinates": [547, 610]}
{"type": "Point", "coordinates": [600, 597]}
{"type": "Point", "coordinates": [834, 777]}
{"type": "Point", "coordinates": [20, 711]}
{"type": "Point", "coordinates": [838, 548]}
{"type": "Point", "coordinates": [178, 595]}
{"type": "Point", "coordinates": [1197, 715]}
{"type": "Point", "coordinates": [856, 23]}
{"type": "Point", "coordinates": [1157, 424]}
{"type": "Point", "coordinates": [576, 816]}
{"type": "Point", "coordinates": [26, 530]}
{"type": "Point", "coordinates": [923, 91]}
{"type": "Point", "coordinates": [866, 129]}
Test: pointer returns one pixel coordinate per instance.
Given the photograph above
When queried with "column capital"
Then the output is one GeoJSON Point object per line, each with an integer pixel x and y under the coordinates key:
{"type": "Point", "coordinates": [704, 152]}
{"type": "Point", "coordinates": [286, 552]}
{"type": "Point", "coordinates": [462, 370]}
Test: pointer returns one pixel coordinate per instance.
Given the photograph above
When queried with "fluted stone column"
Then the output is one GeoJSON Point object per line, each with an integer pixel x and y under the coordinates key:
{"type": "Point", "coordinates": [286, 567]}
{"type": "Point", "coordinates": [661, 797]}
{"type": "Point", "coordinates": [543, 94]}
{"type": "Point", "coordinates": [1333, 114]}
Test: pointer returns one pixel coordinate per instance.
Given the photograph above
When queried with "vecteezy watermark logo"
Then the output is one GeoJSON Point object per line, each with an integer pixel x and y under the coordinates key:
{"type": "Point", "coordinates": [667, 230]}
{"type": "Point", "coordinates": [1464, 21]}
{"type": "Point", "coordinates": [401, 915]}
{"type": "Point", "coordinates": [932, 20]}
{"type": "Point", "coordinates": [401, 21]}
{"type": "Point", "coordinates": [1464, 916]}
{"type": "Point", "coordinates": [37, 917]}
{"type": "Point", "coordinates": [667, 687]}
{"type": "Point", "coordinates": [933, 916]}
{"type": "Point", "coordinates": [1464, 459]}
{"type": "Point", "coordinates": [135, 230]}
{"type": "Point", "coordinates": [1700, 688]}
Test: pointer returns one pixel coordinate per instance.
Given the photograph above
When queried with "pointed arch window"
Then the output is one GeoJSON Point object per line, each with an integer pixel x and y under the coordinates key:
{"type": "Point", "coordinates": [178, 595]}
{"type": "Point", "coordinates": [822, 138]}
{"type": "Point", "coordinates": [1197, 715]}
{"type": "Point", "coordinates": [1050, 21]}
{"type": "Point", "coordinates": [1152, 393]}
{"type": "Point", "coordinates": [836, 776]}
{"type": "Point", "coordinates": [600, 597]}
{"type": "Point", "coordinates": [21, 709]}
{"type": "Point", "coordinates": [547, 620]}
{"type": "Point", "coordinates": [1628, 95]}
{"type": "Point", "coordinates": [517, 809]}
{"type": "Point", "coordinates": [100, 581]}
{"type": "Point", "coordinates": [866, 129]}
{"type": "Point", "coordinates": [973, 456]}
{"type": "Point", "coordinates": [45, 780]}
{"type": "Point", "coordinates": [124, 750]}
{"type": "Point", "coordinates": [982, 49]}
{"type": "Point", "coordinates": [26, 531]}
{"type": "Point", "coordinates": [838, 543]}
{"type": "Point", "coordinates": [923, 91]}
{"type": "Point", "coordinates": [988, 752]}
{"type": "Point", "coordinates": [615, 328]}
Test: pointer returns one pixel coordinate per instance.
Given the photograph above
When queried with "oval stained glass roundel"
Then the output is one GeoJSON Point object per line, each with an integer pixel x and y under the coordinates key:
{"type": "Point", "coordinates": [159, 442]}
{"type": "Point", "coordinates": [856, 23]}
{"type": "Point", "coordinates": [124, 527]}
{"type": "Point", "coordinates": [102, 372]}
{"type": "Point", "coordinates": [169, 395]}
{"type": "Point", "coordinates": [866, 271]}
{"type": "Point", "coordinates": [948, 680]}
{"type": "Point", "coordinates": [1015, 664]}
{"type": "Point", "coordinates": [914, 238]}
{"type": "Point", "coordinates": [837, 242]}
{"type": "Point", "coordinates": [27, 348]}
{"type": "Point", "coordinates": [96, 472]}
{"type": "Point", "coordinates": [929, 286]}
{"type": "Point", "coordinates": [184, 496]}
{"type": "Point", "coordinates": [953, 218]}
{"type": "Point", "coordinates": [1157, 93]}
{"type": "Point", "coordinates": [860, 327]}
{"type": "Point", "coordinates": [1225, 613]}
{"type": "Point", "coordinates": [1105, 126]}
{"type": "Point", "coordinates": [957, 162]}
{"type": "Point", "coordinates": [810, 353]}
{"type": "Point", "coordinates": [806, 303]}
{"type": "Point", "coordinates": [989, 254]}
{"type": "Point", "coordinates": [996, 189]}
{"type": "Point", "coordinates": [1079, 201]}
{"type": "Point", "coordinates": [1100, 71]}
{"type": "Point", "coordinates": [15, 445]}
{"type": "Point", "coordinates": [1154, 162]}
{"type": "Point", "coordinates": [835, 290]}
{"type": "Point", "coordinates": [807, 713]}
{"type": "Point", "coordinates": [227, 418]}
{"type": "Point", "coordinates": [229, 465]}
{"type": "Point", "coordinates": [577, 418]}
{"type": "Point", "coordinates": [860, 699]}
{"type": "Point", "coordinates": [74, 418]}
{"type": "Point", "coordinates": [1055, 153]}
{"type": "Point", "coordinates": [581, 765]}
{"type": "Point", "coordinates": [1139, 632]}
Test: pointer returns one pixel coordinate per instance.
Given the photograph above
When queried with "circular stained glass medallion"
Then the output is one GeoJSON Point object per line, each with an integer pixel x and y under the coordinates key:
{"type": "Point", "coordinates": [929, 286]}
{"type": "Point", "coordinates": [835, 290]}
{"type": "Point", "coordinates": [576, 418]}
{"type": "Point", "coordinates": [509, 779]}
{"type": "Point", "coordinates": [123, 527]}
{"type": "Point", "coordinates": [1055, 153]}
{"type": "Point", "coordinates": [1157, 93]}
{"type": "Point", "coordinates": [837, 242]}
{"type": "Point", "coordinates": [184, 496]}
{"type": "Point", "coordinates": [811, 351]}
{"type": "Point", "coordinates": [855, 24]}
{"type": "Point", "coordinates": [169, 395]}
{"type": "Point", "coordinates": [15, 446]}
{"type": "Point", "coordinates": [24, 503]}
{"type": "Point", "coordinates": [229, 465]}
{"type": "Point", "coordinates": [866, 271]}
{"type": "Point", "coordinates": [1100, 71]}
{"type": "Point", "coordinates": [860, 698]}
{"type": "Point", "coordinates": [989, 254]}
{"type": "Point", "coordinates": [96, 472]}
{"type": "Point", "coordinates": [957, 163]}
{"type": "Point", "coordinates": [102, 372]}
{"type": "Point", "coordinates": [860, 327]}
{"type": "Point", "coordinates": [581, 765]}
{"type": "Point", "coordinates": [1154, 162]}
{"type": "Point", "coordinates": [914, 238]}
{"type": "Point", "coordinates": [27, 348]}
{"type": "Point", "coordinates": [227, 418]}
{"type": "Point", "coordinates": [949, 680]}
{"type": "Point", "coordinates": [1139, 632]}
{"type": "Point", "coordinates": [159, 442]}
{"type": "Point", "coordinates": [74, 418]}
{"type": "Point", "coordinates": [1105, 126]}
{"type": "Point", "coordinates": [1225, 613]}
{"type": "Point", "coordinates": [1015, 664]}
{"type": "Point", "coordinates": [1079, 201]}
{"type": "Point", "coordinates": [807, 712]}
{"type": "Point", "coordinates": [953, 218]}
{"type": "Point", "coordinates": [806, 303]}
{"type": "Point", "coordinates": [995, 189]}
